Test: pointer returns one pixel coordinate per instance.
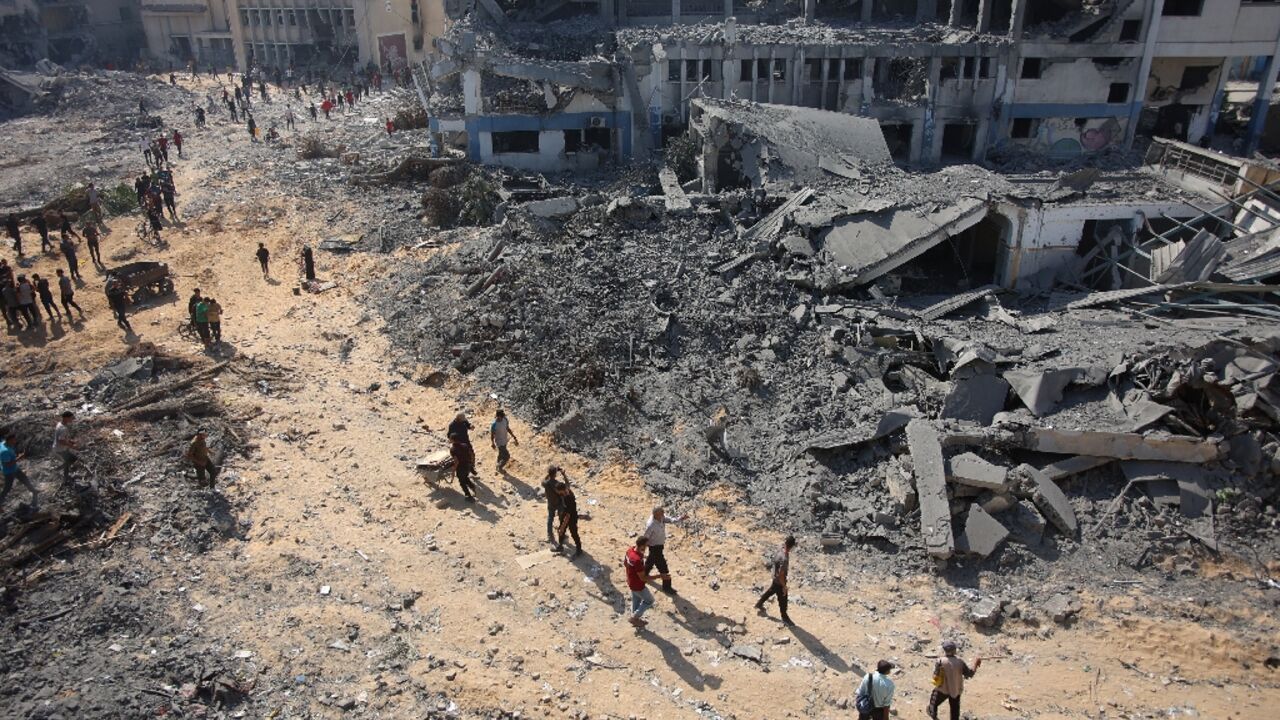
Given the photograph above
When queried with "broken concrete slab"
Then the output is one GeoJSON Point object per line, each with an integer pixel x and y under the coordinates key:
{"type": "Point", "coordinates": [955, 302]}
{"type": "Point", "coordinates": [1050, 500]}
{"type": "Point", "coordinates": [977, 399]}
{"type": "Point", "coordinates": [748, 652]}
{"type": "Point", "coordinates": [1144, 413]}
{"type": "Point", "coordinates": [971, 470]}
{"type": "Point", "coordinates": [931, 484]}
{"type": "Point", "coordinates": [677, 202]}
{"type": "Point", "coordinates": [1121, 446]}
{"type": "Point", "coordinates": [889, 423]}
{"type": "Point", "coordinates": [982, 533]}
{"type": "Point", "coordinates": [1041, 391]}
{"type": "Point", "coordinates": [553, 208]}
{"type": "Point", "coordinates": [866, 247]}
{"type": "Point", "coordinates": [1061, 469]}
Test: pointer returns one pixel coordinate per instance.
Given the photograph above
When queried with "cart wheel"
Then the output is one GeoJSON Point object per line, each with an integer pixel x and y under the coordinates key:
{"type": "Point", "coordinates": [166, 286]}
{"type": "Point", "coordinates": [141, 295]}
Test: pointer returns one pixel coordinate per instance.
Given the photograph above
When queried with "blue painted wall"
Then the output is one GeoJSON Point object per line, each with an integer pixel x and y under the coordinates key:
{"type": "Point", "coordinates": [559, 121]}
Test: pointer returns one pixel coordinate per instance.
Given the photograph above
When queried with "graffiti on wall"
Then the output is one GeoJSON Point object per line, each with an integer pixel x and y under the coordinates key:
{"type": "Point", "coordinates": [1070, 137]}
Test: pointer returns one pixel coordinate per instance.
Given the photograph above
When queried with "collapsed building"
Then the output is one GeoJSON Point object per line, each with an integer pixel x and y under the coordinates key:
{"type": "Point", "coordinates": [69, 31]}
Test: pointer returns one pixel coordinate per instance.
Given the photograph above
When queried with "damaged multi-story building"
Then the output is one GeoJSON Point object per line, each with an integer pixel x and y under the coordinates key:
{"type": "Point", "coordinates": [292, 33]}
{"type": "Point", "coordinates": [69, 31]}
{"type": "Point", "coordinates": [947, 81]}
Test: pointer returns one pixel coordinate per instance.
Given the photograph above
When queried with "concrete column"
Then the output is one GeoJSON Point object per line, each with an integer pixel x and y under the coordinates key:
{"type": "Point", "coordinates": [810, 10]}
{"type": "Point", "coordinates": [755, 82]}
{"type": "Point", "coordinates": [1219, 94]}
{"type": "Point", "coordinates": [471, 92]}
{"type": "Point", "coordinates": [984, 15]}
{"type": "Point", "coordinates": [799, 77]}
{"type": "Point", "coordinates": [926, 10]}
{"type": "Point", "coordinates": [730, 69]}
{"type": "Point", "coordinates": [865, 9]}
{"type": "Point", "coordinates": [1019, 16]}
{"type": "Point", "coordinates": [675, 12]}
{"type": "Point", "coordinates": [728, 8]}
{"type": "Point", "coordinates": [928, 150]}
{"type": "Point", "coordinates": [868, 83]}
{"type": "Point", "coordinates": [1262, 103]}
{"type": "Point", "coordinates": [956, 7]}
{"type": "Point", "coordinates": [768, 75]}
{"type": "Point", "coordinates": [1154, 11]}
{"type": "Point", "coordinates": [607, 10]}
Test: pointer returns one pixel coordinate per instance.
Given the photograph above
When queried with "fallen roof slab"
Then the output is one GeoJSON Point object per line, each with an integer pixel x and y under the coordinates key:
{"type": "Point", "coordinates": [977, 399]}
{"type": "Point", "coordinates": [971, 470]}
{"type": "Point", "coordinates": [890, 422]}
{"type": "Point", "coordinates": [870, 246]}
{"type": "Point", "coordinates": [931, 484]}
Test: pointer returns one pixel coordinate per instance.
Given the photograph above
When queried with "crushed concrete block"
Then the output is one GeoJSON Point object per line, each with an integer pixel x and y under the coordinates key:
{"type": "Point", "coordinates": [982, 533]}
{"type": "Point", "coordinates": [676, 202]}
{"type": "Point", "coordinates": [840, 381]}
{"type": "Point", "coordinates": [986, 612]}
{"type": "Point", "coordinates": [996, 502]}
{"type": "Point", "coordinates": [630, 209]}
{"type": "Point", "coordinates": [1050, 500]}
{"type": "Point", "coordinates": [901, 488]}
{"type": "Point", "coordinates": [1063, 608]}
{"type": "Point", "coordinates": [969, 469]}
{"type": "Point", "coordinates": [553, 208]}
{"type": "Point", "coordinates": [748, 652]}
{"type": "Point", "coordinates": [976, 399]}
{"type": "Point", "coordinates": [931, 484]}
{"type": "Point", "coordinates": [800, 314]}
{"type": "Point", "coordinates": [1026, 524]}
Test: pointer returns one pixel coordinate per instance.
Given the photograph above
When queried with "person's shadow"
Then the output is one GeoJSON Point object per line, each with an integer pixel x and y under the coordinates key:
{"type": "Point", "coordinates": [676, 660]}
{"type": "Point", "coordinates": [700, 623]}
{"type": "Point", "coordinates": [524, 490]}
{"type": "Point", "coordinates": [818, 650]}
{"type": "Point", "coordinates": [601, 575]}
{"type": "Point", "coordinates": [457, 500]}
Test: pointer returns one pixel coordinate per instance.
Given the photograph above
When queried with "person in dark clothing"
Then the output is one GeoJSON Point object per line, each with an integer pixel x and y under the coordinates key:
{"type": "Point", "coordinates": [568, 517]}
{"type": "Point", "coordinates": [15, 233]}
{"type": "Point", "coordinates": [67, 294]}
{"type": "Point", "coordinates": [312, 110]}
{"type": "Point", "coordinates": [192, 302]}
{"type": "Point", "coordinates": [46, 297]}
{"type": "Point", "coordinates": [949, 674]}
{"type": "Point", "coordinates": [264, 257]}
{"type": "Point", "coordinates": [91, 236]}
{"type": "Point", "coordinates": [549, 485]}
{"type": "Point", "coordinates": [118, 299]}
{"type": "Point", "coordinates": [253, 129]}
{"type": "Point", "coordinates": [308, 263]}
{"type": "Point", "coordinates": [42, 226]}
{"type": "Point", "coordinates": [65, 229]}
{"type": "Point", "coordinates": [780, 564]}
{"type": "Point", "coordinates": [460, 427]}
{"type": "Point", "coordinates": [27, 301]}
{"type": "Point", "coordinates": [464, 464]}
{"type": "Point", "coordinates": [73, 261]}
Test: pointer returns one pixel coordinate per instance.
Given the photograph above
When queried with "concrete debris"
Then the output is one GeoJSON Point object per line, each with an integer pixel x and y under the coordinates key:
{"type": "Point", "coordinates": [986, 612]}
{"type": "Point", "coordinates": [1042, 391]}
{"type": "Point", "coordinates": [1026, 524]}
{"type": "Point", "coordinates": [982, 533]}
{"type": "Point", "coordinates": [976, 399]}
{"type": "Point", "coordinates": [971, 470]}
{"type": "Point", "coordinates": [553, 208]}
{"type": "Point", "coordinates": [1049, 499]}
{"type": "Point", "coordinates": [931, 483]}
{"type": "Point", "coordinates": [1062, 608]}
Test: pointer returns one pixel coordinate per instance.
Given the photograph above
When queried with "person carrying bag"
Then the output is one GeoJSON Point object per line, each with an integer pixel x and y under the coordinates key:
{"type": "Point", "coordinates": [875, 693]}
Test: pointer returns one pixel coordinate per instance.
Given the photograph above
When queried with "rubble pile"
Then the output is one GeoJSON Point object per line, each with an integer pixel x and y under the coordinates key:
{"type": "Point", "coordinates": [86, 557]}
{"type": "Point", "coordinates": [682, 339]}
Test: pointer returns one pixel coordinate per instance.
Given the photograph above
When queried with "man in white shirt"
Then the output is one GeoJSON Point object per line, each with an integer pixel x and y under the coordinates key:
{"type": "Point", "coordinates": [64, 444]}
{"type": "Point", "coordinates": [655, 531]}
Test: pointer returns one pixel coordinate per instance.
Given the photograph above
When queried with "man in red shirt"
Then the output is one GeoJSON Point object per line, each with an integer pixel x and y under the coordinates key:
{"type": "Point", "coordinates": [641, 598]}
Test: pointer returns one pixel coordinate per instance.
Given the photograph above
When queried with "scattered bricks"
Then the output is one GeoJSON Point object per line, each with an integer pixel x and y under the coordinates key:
{"type": "Point", "coordinates": [1049, 499]}
{"type": "Point", "coordinates": [982, 533]}
{"type": "Point", "coordinates": [986, 612]}
{"type": "Point", "coordinates": [1062, 608]}
{"type": "Point", "coordinates": [931, 484]}
{"type": "Point", "coordinates": [971, 470]}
